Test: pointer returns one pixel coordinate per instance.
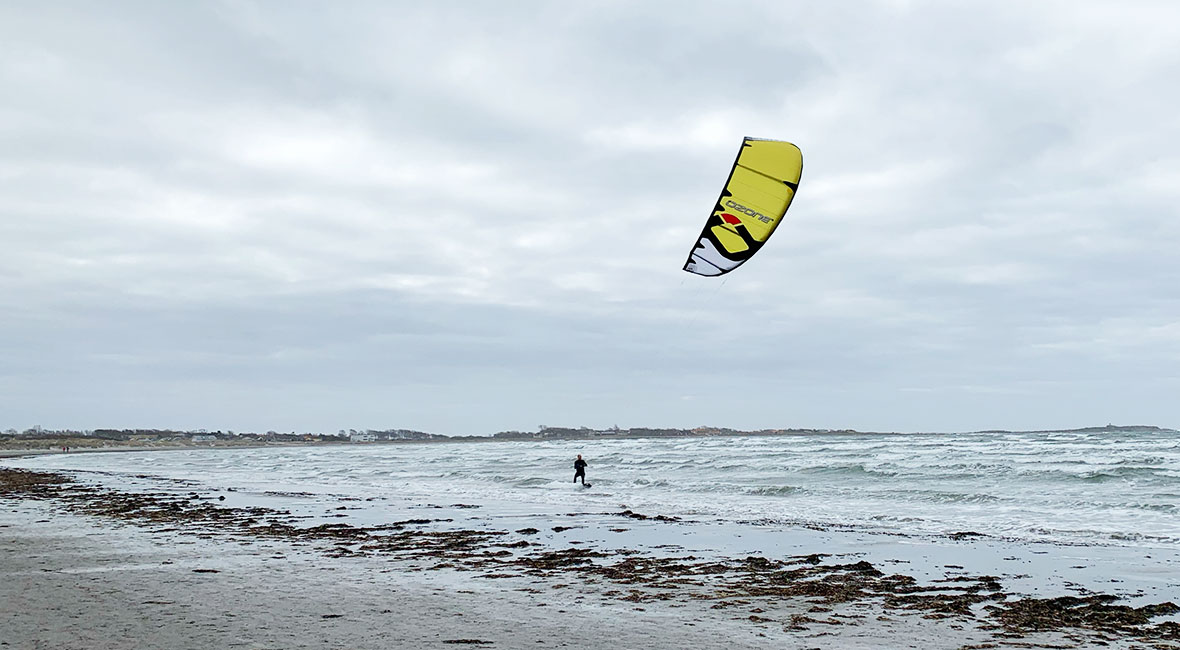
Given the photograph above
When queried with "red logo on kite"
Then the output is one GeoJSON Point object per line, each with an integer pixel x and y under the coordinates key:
{"type": "Point", "coordinates": [730, 219]}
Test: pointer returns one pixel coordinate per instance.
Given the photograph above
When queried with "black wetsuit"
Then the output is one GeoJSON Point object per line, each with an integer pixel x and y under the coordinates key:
{"type": "Point", "coordinates": [580, 470]}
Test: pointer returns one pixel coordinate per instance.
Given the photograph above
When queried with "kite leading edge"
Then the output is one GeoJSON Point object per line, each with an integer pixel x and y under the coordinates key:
{"type": "Point", "coordinates": [761, 184]}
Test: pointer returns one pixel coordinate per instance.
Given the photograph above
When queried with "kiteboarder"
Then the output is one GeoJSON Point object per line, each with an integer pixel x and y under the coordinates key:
{"type": "Point", "coordinates": [580, 469]}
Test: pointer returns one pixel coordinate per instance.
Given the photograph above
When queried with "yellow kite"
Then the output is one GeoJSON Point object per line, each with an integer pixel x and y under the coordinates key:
{"type": "Point", "coordinates": [761, 184]}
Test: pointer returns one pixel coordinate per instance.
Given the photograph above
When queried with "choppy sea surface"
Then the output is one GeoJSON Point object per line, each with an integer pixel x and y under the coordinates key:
{"type": "Point", "coordinates": [1073, 487]}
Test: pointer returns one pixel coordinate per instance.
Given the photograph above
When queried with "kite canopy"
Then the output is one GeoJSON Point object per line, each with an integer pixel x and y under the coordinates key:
{"type": "Point", "coordinates": [761, 185]}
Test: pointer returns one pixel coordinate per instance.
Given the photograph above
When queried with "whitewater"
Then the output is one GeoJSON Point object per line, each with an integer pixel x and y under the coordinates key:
{"type": "Point", "coordinates": [1070, 487]}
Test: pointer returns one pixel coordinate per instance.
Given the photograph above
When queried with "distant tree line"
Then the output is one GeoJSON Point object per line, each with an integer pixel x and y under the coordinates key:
{"type": "Point", "coordinates": [375, 435]}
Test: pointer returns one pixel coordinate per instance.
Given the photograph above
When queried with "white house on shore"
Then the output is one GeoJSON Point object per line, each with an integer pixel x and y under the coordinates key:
{"type": "Point", "coordinates": [363, 436]}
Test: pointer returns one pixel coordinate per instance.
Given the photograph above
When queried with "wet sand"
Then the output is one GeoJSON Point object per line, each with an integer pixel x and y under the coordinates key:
{"type": "Point", "coordinates": [88, 567]}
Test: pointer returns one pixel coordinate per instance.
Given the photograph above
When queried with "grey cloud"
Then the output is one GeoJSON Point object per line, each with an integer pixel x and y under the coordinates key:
{"type": "Point", "coordinates": [464, 218]}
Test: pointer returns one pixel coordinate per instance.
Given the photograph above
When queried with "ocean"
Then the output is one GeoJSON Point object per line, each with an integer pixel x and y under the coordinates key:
{"type": "Point", "coordinates": [1075, 487]}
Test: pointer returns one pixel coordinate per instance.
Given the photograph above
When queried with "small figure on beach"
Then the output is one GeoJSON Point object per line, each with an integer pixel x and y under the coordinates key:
{"type": "Point", "coordinates": [580, 469]}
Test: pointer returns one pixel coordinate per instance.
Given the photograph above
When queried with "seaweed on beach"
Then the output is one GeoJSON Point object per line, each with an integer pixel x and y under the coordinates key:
{"type": "Point", "coordinates": [635, 515]}
{"type": "Point", "coordinates": [726, 583]}
{"type": "Point", "coordinates": [560, 560]}
{"type": "Point", "coordinates": [1091, 612]}
{"type": "Point", "coordinates": [27, 484]}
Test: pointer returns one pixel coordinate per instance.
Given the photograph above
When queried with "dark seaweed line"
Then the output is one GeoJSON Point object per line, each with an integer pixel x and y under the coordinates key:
{"type": "Point", "coordinates": [729, 583]}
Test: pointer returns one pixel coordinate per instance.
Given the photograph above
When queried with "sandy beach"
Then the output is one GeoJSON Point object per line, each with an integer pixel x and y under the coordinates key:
{"type": "Point", "coordinates": [86, 567]}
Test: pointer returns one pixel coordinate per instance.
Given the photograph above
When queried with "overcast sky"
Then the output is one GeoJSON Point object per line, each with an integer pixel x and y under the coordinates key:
{"type": "Point", "coordinates": [469, 217]}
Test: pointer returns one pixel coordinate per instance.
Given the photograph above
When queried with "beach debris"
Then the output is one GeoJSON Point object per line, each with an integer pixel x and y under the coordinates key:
{"type": "Point", "coordinates": [754, 618]}
{"type": "Point", "coordinates": [1092, 612]}
{"type": "Point", "coordinates": [801, 621]}
{"type": "Point", "coordinates": [965, 535]}
{"type": "Point", "coordinates": [414, 522]}
{"type": "Point", "coordinates": [754, 582]}
{"type": "Point", "coordinates": [23, 483]}
{"type": "Point", "coordinates": [636, 515]}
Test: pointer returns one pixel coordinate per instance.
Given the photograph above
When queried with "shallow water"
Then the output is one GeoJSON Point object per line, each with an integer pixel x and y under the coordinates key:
{"type": "Point", "coordinates": [1075, 488]}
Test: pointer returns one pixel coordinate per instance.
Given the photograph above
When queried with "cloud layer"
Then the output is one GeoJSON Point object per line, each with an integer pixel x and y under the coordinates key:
{"type": "Point", "coordinates": [469, 218]}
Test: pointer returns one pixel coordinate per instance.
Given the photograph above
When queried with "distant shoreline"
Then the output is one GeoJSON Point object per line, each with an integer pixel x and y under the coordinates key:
{"type": "Point", "coordinates": [56, 451]}
{"type": "Point", "coordinates": [46, 444]}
